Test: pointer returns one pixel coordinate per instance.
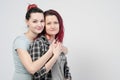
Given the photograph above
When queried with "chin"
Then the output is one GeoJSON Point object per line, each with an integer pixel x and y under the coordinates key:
{"type": "Point", "coordinates": [39, 32]}
{"type": "Point", "coordinates": [53, 34]}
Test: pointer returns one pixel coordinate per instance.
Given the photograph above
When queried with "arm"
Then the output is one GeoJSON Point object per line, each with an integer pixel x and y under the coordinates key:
{"type": "Point", "coordinates": [26, 60]}
{"type": "Point", "coordinates": [31, 66]}
{"type": "Point", "coordinates": [36, 50]}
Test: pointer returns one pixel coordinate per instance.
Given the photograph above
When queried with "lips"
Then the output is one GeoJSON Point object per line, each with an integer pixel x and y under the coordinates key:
{"type": "Point", "coordinates": [39, 28]}
{"type": "Point", "coordinates": [52, 29]}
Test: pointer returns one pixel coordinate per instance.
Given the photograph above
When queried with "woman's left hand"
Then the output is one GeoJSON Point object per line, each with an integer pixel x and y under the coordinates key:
{"type": "Point", "coordinates": [64, 49]}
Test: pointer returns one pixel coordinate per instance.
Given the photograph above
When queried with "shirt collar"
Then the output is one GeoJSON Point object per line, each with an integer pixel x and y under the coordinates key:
{"type": "Point", "coordinates": [43, 37]}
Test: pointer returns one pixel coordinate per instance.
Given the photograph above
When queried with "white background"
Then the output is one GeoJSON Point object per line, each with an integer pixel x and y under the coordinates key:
{"type": "Point", "coordinates": [92, 35]}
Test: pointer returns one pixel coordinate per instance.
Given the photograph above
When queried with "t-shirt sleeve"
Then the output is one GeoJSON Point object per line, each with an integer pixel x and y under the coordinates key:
{"type": "Point", "coordinates": [19, 43]}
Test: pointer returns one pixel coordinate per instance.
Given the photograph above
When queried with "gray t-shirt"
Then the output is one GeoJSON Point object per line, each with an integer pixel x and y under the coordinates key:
{"type": "Point", "coordinates": [58, 68]}
{"type": "Point", "coordinates": [20, 73]}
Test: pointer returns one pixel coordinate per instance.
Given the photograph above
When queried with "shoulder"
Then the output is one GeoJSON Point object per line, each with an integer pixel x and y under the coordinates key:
{"type": "Point", "coordinates": [20, 42]}
{"type": "Point", "coordinates": [20, 39]}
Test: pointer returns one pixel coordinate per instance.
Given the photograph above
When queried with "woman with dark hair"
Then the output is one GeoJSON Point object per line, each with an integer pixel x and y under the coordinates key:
{"type": "Point", "coordinates": [54, 29]}
{"type": "Point", "coordinates": [24, 66]}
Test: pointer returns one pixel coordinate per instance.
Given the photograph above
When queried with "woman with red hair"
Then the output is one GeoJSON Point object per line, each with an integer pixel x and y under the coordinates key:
{"type": "Point", "coordinates": [54, 30]}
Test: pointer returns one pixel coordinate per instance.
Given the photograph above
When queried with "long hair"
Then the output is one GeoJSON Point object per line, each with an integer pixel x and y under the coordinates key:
{"type": "Point", "coordinates": [60, 34]}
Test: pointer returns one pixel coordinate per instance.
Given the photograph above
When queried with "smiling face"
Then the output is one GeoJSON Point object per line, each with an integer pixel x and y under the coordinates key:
{"type": "Point", "coordinates": [51, 25]}
{"type": "Point", "coordinates": [36, 23]}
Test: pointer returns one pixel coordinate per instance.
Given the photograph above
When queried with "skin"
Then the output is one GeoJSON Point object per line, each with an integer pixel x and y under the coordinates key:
{"type": "Point", "coordinates": [52, 28]}
{"type": "Point", "coordinates": [35, 26]}
{"type": "Point", "coordinates": [35, 23]}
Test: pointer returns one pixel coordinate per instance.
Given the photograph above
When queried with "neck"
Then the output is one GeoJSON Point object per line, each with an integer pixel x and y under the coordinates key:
{"type": "Point", "coordinates": [50, 38]}
{"type": "Point", "coordinates": [31, 36]}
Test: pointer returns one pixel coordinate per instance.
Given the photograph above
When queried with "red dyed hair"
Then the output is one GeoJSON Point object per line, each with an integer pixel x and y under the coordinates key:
{"type": "Point", "coordinates": [60, 34]}
{"type": "Point", "coordinates": [30, 6]}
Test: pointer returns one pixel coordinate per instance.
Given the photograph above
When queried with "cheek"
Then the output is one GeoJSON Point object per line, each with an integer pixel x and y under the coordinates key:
{"type": "Point", "coordinates": [47, 31]}
{"type": "Point", "coordinates": [58, 29]}
{"type": "Point", "coordinates": [32, 25]}
{"type": "Point", "coordinates": [43, 24]}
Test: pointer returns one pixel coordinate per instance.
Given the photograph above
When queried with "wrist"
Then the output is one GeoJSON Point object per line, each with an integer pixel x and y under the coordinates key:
{"type": "Point", "coordinates": [49, 51]}
{"type": "Point", "coordinates": [55, 56]}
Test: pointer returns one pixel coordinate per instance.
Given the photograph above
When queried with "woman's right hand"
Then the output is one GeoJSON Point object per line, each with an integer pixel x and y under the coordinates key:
{"type": "Point", "coordinates": [52, 46]}
{"type": "Point", "coordinates": [57, 49]}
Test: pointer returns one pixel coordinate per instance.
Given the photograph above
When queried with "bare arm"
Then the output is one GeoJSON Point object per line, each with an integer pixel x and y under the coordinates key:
{"type": "Point", "coordinates": [26, 60]}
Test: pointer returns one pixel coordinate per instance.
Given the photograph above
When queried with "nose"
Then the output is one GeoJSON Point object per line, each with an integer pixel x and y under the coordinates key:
{"type": "Point", "coordinates": [40, 24]}
{"type": "Point", "coordinates": [52, 25]}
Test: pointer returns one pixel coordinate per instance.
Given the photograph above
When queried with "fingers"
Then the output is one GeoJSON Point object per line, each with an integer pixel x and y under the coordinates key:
{"type": "Point", "coordinates": [54, 41]}
{"type": "Point", "coordinates": [64, 49]}
{"type": "Point", "coordinates": [58, 47]}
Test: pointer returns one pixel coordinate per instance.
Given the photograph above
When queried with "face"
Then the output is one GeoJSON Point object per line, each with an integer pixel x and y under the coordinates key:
{"type": "Point", "coordinates": [36, 23]}
{"type": "Point", "coordinates": [51, 25]}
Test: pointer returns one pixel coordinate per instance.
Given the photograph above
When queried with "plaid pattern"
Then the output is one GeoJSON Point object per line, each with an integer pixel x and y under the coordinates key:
{"type": "Point", "coordinates": [38, 48]}
{"type": "Point", "coordinates": [67, 73]}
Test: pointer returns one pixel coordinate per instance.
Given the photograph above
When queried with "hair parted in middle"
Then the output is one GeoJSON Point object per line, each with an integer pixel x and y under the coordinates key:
{"type": "Point", "coordinates": [60, 34]}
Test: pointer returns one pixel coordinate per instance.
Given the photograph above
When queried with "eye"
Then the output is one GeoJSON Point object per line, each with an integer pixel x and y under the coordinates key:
{"type": "Point", "coordinates": [35, 21]}
{"type": "Point", "coordinates": [42, 21]}
{"type": "Point", "coordinates": [48, 23]}
{"type": "Point", "coordinates": [56, 23]}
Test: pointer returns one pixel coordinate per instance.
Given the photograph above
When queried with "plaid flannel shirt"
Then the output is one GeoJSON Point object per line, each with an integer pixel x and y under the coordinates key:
{"type": "Point", "coordinates": [38, 48]}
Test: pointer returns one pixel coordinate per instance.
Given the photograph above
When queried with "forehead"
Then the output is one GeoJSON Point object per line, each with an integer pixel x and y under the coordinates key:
{"type": "Point", "coordinates": [51, 17]}
{"type": "Point", "coordinates": [36, 16]}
